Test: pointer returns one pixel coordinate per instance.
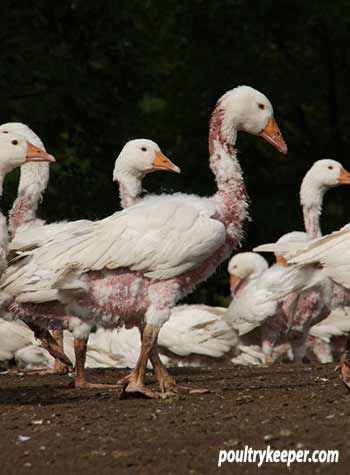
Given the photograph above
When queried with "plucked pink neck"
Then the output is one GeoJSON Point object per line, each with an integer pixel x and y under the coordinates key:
{"type": "Point", "coordinates": [128, 198]}
{"type": "Point", "coordinates": [22, 212]}
{"type": "Point", "coordinates": [231, 197]}
{"type": "Point", "coordinates": [312, 221]}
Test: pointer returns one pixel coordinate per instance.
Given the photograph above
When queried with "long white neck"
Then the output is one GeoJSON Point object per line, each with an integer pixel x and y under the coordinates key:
{"type": "Point", "coordinates": [231, 197]}
{"type": "Point", "coordinates": [130, 188]}
{"type": "Point", "coordinates": [33, 183]}
{"type": "Point", "coordinates": [311, 199]}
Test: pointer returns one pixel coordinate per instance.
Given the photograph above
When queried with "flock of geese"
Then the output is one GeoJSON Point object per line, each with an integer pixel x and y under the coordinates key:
{"type": "Point", "coordinates": [105, 293]}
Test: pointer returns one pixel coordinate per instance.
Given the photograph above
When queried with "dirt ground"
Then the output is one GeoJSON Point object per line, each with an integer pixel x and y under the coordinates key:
{"type": "Point", "coordinates": [48, 428]}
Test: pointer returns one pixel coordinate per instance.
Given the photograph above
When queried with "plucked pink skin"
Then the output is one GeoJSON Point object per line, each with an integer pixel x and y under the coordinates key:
{"type": "Point", "coordinates": [295, 323]}
{"type": "Point", "coordinates": [123, 306]}
{"type": "Point", "coordinates": [339, 345]}
{"type": "Point", "coordinates": [293, 320]}
{"type": "Point", "coordinates": [332, 350]}
{"type": "Point", "coordinates": [123, 297]}
{"type": "Point", "coordinates": [112, 300]}
{"type": "Point", "coordinates": [49, 314]}
{"type": "Point", "coordinates": [126, 198]}
{"type": "Point", "coordinates": [340, 298]}
{"type": "Point", "coordinates": [274, 330]}
{"type": "Point", "coordinates": [22, 213]}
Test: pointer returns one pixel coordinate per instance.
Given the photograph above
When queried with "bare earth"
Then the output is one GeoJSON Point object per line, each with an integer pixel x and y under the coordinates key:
{"type": "Point", "coordinates": [94, 432]}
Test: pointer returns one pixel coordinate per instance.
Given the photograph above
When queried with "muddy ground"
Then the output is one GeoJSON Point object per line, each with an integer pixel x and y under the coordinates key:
{"type": "Point", "coordinates": [93, 432]}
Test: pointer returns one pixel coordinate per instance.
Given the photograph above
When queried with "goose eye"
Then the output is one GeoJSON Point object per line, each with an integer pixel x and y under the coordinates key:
{"type": "Point", "coordinates": [261, 106]}
{"type": "Point", "coordinates": [14, 142]}
{"type": "Point", "coordinates": [144, 149]}
{"type": "Point", "coordinates": [330, 167]}
{"type": "Point", "coordinates": [5, 132]}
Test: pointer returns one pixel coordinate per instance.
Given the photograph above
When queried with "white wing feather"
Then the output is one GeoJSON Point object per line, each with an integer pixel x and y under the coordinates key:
{"type": "Point", "coordinates": [331, 251]}
{"type": "Point", "coordinates": [30, 236]}
{"type": "Point", "coordinates": [336, 324]}
{"type": "Point", "coordinates": [197, 330]}
{"type": "Point", "coordinates": [258, 299]}
{"type": "Point", "coordinates": [162, 239]}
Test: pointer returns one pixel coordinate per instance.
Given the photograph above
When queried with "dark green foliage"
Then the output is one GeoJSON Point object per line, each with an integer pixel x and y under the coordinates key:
{"type": "Point", "coordinates": [89, 75]}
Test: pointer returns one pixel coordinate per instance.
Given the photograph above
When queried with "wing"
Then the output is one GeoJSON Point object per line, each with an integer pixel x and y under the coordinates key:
{"type": "Point", "coordinates": [278, 281]}
{"type": "Point", "coordinates": [250, 307]}
{"type": "Point", "coordinates": [161, 239]}
{"type": "Point", "coordinates": [31, 236]}
{"type": "Point", "coordinates": [258, 299]}
{"type": "Point", "coordinates": [332, 252]}
{"type": "Point", "coordinates": [336, 324]}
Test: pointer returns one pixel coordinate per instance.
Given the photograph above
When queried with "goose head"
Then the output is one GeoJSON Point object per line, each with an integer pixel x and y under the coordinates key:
{"type": "Point", "coordinates": [248, 110]}
{"type": "Point", "coordinates": [293, 238]}
{"type": "Point", "coordinates": [15, 150]}
{"type": "Point", "coordinates": [139, 157]}
{"type": "Point", "coordinates": [245, 265]}
{"type": "Point", "coordinates": [34, 176]}
{"type": "Point", "coordinates": [323, 175]}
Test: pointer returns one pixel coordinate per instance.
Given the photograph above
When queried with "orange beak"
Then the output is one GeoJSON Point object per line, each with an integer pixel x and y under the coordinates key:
{"type": "Point", "coordinates": [161, 162]}
{"type": "Point", "coordinates": [272, 134]}
{"type": "Point", "coordinates": [234, 281]}
{"type": "Point", "coordinates": [35, 154]}
{"type": "Point", "coordinates": [282, 261]}
{"type": "Point", "coordinates": [344, 177]}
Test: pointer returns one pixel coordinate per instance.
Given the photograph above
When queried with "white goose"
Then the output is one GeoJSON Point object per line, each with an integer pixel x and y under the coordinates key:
{"type": "Point", "coordinates": [312, 305]}
{"type": "Point", "coordinates": [23, 219]}
{"type": "Point", "coordinates": [15, 151]}
{"type": "Point", "coordinates": [152, 254]}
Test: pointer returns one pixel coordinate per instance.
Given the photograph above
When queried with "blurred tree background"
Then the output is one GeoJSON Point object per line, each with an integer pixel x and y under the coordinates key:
{"type": "Point", "coordinates": [87, 76]}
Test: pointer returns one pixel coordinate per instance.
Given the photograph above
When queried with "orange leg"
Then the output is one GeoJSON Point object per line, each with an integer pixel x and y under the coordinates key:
{"type": "Point", "coordinates": [50, 344]}
{"type": "Point", "coordinates": [134, 382]}
{"type": "Point", "coordinates": [80, 349]}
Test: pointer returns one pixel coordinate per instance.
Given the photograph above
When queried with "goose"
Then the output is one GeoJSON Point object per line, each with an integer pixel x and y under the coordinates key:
{"type": "Point", "coordinates": [250, 306]}
{"type": "Point", "coordinates": [312, 304]}
{"type": "Point", "coordinates": [137, 158]}
{"type": "Point", "coordinates": [134, 266]}
{"type": "Point", "coordinates": [14, 152]}
{"type": "Point", "coordinates": [33, 182]}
